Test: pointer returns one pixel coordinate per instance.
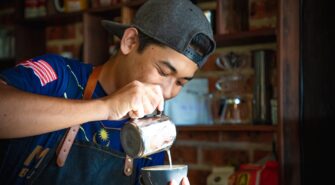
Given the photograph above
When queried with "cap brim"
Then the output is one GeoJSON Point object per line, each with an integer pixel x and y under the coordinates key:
{"type": "Point", "coordinates": [114, 28]}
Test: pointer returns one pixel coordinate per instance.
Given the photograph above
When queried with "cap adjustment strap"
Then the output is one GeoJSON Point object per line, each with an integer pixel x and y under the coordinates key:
{"type": "Point", "coordinates": [192, 54]}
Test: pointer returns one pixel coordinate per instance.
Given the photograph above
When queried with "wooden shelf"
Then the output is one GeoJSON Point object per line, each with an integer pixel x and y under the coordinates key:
{"type": "Point", "coordinates": [7, 59]}
{"type": "Point", "coordinates": [116, 7]}
{"type": "Point", "coordinates": [219, 73]}
{"type": "Point", "coordinates": [229, 128]}
{"type": "Point", "coordinates": [6, 62]}
{"type": "Point", "coordinates": [244, 38]}
{"type": "Point", "coordinates": [134, 3]}
{"type": "Point", "coordinates": [105, 9]}
{"type": "Point", "coordinates": [55, 19]}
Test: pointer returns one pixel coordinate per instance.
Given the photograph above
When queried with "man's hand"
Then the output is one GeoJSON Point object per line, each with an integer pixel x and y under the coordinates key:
{"type": "Point", "coordinates": [185, 181]}
{"type": "Point", "coordinates": [136, 99]}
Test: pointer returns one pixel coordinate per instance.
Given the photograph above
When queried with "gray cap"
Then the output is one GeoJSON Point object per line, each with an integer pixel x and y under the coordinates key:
{"type": "Point", "coordinates": [173, 23]}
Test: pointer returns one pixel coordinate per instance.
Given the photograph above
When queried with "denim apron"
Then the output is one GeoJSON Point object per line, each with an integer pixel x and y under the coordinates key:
{"type": "Point", "coordinates": [86, 164]}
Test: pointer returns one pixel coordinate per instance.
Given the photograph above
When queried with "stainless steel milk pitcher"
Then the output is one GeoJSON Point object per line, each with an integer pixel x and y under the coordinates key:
{"type": "Point", "coordinates": [149, 135]}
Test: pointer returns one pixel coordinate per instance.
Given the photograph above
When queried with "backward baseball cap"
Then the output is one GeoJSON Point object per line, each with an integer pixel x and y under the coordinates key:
{"type": "Point", "coordinates": [173, 23]}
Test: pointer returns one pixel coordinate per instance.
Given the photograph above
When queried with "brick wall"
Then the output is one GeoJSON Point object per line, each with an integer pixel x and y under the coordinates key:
{"type": "Point", "coordinates": [203, 150]}
{"type": "Point", "coordinates": [66, 40]}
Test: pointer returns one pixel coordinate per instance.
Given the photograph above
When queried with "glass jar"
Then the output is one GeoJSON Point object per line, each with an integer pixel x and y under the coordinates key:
{"type": "Point", "coordinates": [231, 103]}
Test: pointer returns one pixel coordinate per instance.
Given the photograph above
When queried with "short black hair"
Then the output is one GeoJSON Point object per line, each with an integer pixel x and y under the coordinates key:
{"type": "Point", "coordinates": [145, 41]}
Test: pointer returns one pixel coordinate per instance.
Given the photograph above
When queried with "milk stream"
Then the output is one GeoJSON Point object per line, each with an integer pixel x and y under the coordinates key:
{"type": "Point", "coordinates": [169, 155]}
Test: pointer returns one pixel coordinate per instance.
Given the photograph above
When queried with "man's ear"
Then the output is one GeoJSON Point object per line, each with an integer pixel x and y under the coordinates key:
{"type": "Point", "coordinates": [129, 40]}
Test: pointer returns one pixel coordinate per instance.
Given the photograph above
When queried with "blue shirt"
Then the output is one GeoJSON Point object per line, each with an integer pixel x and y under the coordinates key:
{"type": "Point", "coordinates": [53, 75]}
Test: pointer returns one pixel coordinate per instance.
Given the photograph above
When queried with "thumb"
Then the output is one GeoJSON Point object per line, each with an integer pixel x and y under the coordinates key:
{"type": "Point", "coordinates": [173, 182]}
{"type": "Point", "coordinates": [185, 181]}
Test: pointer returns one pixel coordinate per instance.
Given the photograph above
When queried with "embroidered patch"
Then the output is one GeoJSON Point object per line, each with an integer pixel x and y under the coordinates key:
{"type": "Point", "coordinates": [44, 72]}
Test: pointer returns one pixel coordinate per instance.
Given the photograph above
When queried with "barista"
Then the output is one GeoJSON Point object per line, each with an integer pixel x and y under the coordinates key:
{"type": "Point", "coordinates": [41, 97]}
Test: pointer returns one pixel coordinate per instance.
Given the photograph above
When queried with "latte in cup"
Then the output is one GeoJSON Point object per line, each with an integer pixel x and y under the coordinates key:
{"type": "Point", "coordinates": [162, 174]}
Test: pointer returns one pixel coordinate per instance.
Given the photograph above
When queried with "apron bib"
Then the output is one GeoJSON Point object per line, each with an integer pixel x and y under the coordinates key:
{"type": "Point", "coordinates": [86, 164]}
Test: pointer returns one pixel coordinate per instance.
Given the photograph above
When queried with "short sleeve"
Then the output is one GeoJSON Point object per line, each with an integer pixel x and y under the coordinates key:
{"type": "Point", "coordinates": [46, 75]}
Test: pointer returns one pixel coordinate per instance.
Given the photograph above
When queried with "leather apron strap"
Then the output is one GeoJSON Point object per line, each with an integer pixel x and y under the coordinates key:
{"type": "Point", "coordinates": [67, 141]}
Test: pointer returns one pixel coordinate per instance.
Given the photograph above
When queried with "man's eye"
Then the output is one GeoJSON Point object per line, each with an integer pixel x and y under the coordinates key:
{"type": "Point", "coordinates": [162, 73]}
{"type": "Point", "coordinates": [180, 83]}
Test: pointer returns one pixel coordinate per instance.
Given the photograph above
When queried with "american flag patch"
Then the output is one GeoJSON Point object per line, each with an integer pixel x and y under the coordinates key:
{"type": "Point", "coordinates": [44, 72]}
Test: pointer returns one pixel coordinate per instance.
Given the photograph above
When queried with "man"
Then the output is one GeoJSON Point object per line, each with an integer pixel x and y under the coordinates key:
{"type": "Point", "coordinates": [41, 98]}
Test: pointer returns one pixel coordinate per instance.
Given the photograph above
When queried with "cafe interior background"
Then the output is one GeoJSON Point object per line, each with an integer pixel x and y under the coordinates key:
{"type": "Point", "coordinates": [260, 106]}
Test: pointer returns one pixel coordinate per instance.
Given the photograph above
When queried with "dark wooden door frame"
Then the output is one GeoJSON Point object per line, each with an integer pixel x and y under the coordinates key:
{"type": "Point", "coordinates": [288, 64]}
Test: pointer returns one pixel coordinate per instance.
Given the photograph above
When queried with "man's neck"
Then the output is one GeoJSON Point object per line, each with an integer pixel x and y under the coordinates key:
{"type": "Point", "coordinates": [107, 76]}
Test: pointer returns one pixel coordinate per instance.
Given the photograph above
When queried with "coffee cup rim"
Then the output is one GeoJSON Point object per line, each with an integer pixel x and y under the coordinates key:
{"type": "Point", "coordinates": [156, 168]}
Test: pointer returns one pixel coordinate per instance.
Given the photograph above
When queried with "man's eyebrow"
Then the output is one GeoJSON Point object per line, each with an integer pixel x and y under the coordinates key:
{"type": "Point", "coordinates": [169, 65]}
{"type": "Point", "coordinates": [173, 69]}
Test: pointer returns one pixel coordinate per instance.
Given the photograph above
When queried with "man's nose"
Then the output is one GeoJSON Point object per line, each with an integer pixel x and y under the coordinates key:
{"type": "Point", "coordinates": [169, 89]}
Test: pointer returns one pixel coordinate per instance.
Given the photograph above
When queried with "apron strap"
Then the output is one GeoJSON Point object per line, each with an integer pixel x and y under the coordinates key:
{"type": "Point", "coordinates": [128, 166]}
{"type": "Point", "coordinates": [67, 141]}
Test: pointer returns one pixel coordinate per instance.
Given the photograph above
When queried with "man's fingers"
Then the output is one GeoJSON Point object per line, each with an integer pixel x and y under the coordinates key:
{"type": "Point", "coordinates": [173, 182]}
{"type": "Point", "coordinates": [185, 181]}
{"type": "Point", "coordinates": [152, 99]}
{"type": "Point", "coordinates": [149, 104]}
{"type": "Point", "coordinates": [161, 101]}
{"type": "Point", "coordinates": [159, 98]}
{"type": "Point", "coordinates": [137, 99]}
{"type": "Point", "coordinates": [137, 109]}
